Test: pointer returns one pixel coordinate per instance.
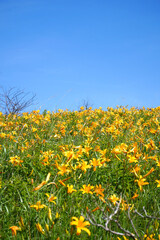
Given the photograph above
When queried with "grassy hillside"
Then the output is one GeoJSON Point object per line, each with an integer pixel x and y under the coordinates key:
{"type": "Point", "coordinates": [88, 174]}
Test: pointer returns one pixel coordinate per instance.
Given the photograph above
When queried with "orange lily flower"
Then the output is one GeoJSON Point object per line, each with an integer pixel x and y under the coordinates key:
{"type": "Point", "coordinates": [14, 230]}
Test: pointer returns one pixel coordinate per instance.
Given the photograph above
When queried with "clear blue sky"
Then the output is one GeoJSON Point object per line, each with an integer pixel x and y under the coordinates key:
{"type": "Point", "coordinates": [66, 51]}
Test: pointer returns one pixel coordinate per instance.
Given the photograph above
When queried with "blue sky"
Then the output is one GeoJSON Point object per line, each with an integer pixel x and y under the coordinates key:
{"type": "Point", "coordinates": [101, 51]}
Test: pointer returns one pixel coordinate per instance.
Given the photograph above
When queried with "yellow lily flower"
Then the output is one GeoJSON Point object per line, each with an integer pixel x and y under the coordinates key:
{"type": "Point", "coordinates": [80, 225]}
{"type": "Point", "coordinates": [38, 206]}
{"type": "Point", "coordinates": [39, 228]}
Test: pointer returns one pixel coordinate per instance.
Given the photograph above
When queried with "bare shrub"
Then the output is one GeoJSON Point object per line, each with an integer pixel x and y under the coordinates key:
{"type": "Point", "coordinates": [14, 100]}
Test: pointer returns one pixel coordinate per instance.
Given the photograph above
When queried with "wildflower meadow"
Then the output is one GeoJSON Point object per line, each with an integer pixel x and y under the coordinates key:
{"type": "Point", "coordinates": [86, 174]}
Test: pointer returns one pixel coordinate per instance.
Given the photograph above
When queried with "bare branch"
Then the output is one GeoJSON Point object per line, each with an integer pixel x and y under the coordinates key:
{"type": "Point", "coordinates": [15, 101]}
{"type": "Point", "coordinates": [146, 215]}
{"type": "Point", "coordinates": [132, 222]}
{"type": "Point", "coordinates": [113, 217]}
{"type": "Point", "coordinates": [109, 219]}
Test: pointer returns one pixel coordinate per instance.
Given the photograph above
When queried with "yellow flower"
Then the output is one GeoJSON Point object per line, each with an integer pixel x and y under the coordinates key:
{"type": "Point", "coordinates": [57, 215]}
{"type": "Point", "coordinates": [39, 228]}
{"type": "Point", "coordinates": [42, 183]}
{"type": "Point", "coordinates": [21, 223]}
{"type": "Point", "coordinates": [141, 182]}
{"type": "Point", "coordinates": [99, 190]}
{"type": "Point", "coordinates": [102, 199]}
{"type": "Point", "coordinates": [86, 150]}
{"type": "Point", "coordinates": [149, 237]}
{"type": "Point", "coordinates": [14, 230]}
{"type": "Point", "coordinates": [15, 161]}
{"type": "Point", "coordinates": [63, 169]}
{"type": "Point", "coordinates": [47, 227]}
{"type": "Point", "coordinates": [123, 238]}
{"type": "Point", "coordinates": [125, 206]}
{"type": "Point", "coordinates": [2, 135]}
{"type": "Point", "coordinates": [34, 129]}
{"type": "Point", "coordinates": [70, 189]}
{"type": "Point", "coordinates": [82, 108]}
{"type": "Point", "coordinates": [158, 181]}
{"type": "Point", "coordinates": [136, 169]}
{"type": "Point", "coordinates": [62, 183]}
{"type": "Point", "coordinates": [113, 199]}
{"type": "Point", "coordinates": [95, 209]}
{"type": "Point", "coordinates": [39, 186]}
{"type": "Point", "coordinates": [152, 169]}
{"type": "Point", "coordinates": [102, 152]}
{"type": "Point", "coordinates": [96, 163]}
{"type": "Point", "coordinates": [132, 159]}
{"type": "Point", "coordinates": [69, 154]}
{"type": "Point", "coordinates": [83, 166]}
{"type": "Point", "coordinates": [45, 161]}
{"type": "Point", "coordinates": [50, 215]}
{"type": "Point", "coordinates": [51, 198]}
{"type": "Point", "coordinates": [135, 196]}
{"type": "Point", "coordinates": [38, 206]}
{"type": "Point", "coordinates": [87, 189]}
{"type": "Point", "coordinates": [116, 150]}
{"type": "Point", "coordinates": [158, 163]}
{"type": "Point", "coordinates": [80, 225]}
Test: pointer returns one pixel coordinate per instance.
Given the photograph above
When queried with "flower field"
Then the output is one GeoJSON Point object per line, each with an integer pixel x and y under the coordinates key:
{"type": "Point", "coordinates": [87, 174]}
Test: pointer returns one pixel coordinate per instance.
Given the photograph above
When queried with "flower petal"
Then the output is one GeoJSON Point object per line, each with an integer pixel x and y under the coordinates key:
{"type": "Point", "coordinates": [87, 230]}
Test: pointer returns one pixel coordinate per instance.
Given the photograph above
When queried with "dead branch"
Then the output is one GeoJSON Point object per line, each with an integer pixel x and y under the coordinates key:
{"type": "Point", "coordinates": [14, 101]}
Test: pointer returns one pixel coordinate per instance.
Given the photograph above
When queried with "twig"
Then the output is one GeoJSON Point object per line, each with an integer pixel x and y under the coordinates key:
{"type": "Point", "coordinates": [132, 222]}
{"type": "Point", "coordinates": [146, 215]}
{"type": "Point", "coordinates": [127, 233]}
{"type": "Point", "coordinates": [108, 219]}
